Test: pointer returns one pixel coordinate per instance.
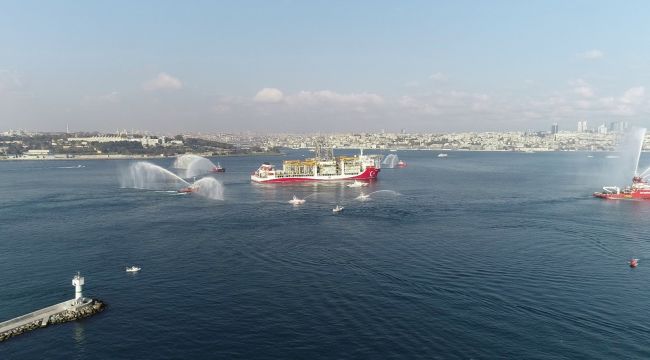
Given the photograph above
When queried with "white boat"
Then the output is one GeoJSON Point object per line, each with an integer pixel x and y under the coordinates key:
{"type": "Point", "coordinates": [442, 155]}
{"type": "Point", "coordinates": [337, 209]}
{"type": "Point", "coordinates": [296, 201]}
{"type": "Point", "coordinates": [357, 184]}
{"type": "Point", "coordinates": [133, 269]}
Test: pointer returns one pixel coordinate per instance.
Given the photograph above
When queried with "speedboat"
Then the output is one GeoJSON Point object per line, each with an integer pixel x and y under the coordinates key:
{"type": "Point", "coordinates": [296, 201]}
{"type": "Point", "coordinates": [338, 209]}
{"type": "Point", "coordinates": [401, 164]}
{"type": "Point", "coordinates": [357, 184]}
{"type": "Point", "coordinates": [633, 263]}
{"type": "Point", "coordinates": [133, 269]}
{"type": "Point", "coordinates": [442, 155]}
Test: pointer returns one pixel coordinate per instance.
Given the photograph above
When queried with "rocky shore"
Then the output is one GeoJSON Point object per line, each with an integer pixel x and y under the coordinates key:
{"type": "Point", "coordinates": [91, 309]}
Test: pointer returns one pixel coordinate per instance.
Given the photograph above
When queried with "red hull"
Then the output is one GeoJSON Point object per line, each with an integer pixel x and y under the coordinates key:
{"type": "Point", "coordinates": [633, 195]}
{"type": "Point", "coordinates": [369, 174]}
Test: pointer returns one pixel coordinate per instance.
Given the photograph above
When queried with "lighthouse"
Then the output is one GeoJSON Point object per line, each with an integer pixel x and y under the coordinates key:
{"type": "Point", "coordinates": [78, 283]}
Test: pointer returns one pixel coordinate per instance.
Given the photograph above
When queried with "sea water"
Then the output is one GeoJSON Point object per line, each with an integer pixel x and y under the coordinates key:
{"type": "Point", "coordinates": [479, 255]}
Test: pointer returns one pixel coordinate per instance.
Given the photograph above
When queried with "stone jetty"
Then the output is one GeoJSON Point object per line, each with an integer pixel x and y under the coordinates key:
{"type": "Point", "coordinates": [78, 308]}
{"type": "Point", "coordinates": [91, 308]}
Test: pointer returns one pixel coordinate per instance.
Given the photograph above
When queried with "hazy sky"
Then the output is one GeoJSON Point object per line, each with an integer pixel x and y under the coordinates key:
{"type": "Point", "coordinates": [330, 66]}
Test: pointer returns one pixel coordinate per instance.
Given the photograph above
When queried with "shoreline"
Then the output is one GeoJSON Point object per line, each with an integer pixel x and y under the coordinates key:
{"type": "Point", "coordinates": [121, 157]}
{"type": "Point", "coordinates": [153, 157]}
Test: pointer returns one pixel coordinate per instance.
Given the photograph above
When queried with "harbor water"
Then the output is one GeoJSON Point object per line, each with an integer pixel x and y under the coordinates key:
{"type": "Point", "coordinates": [478, 255]}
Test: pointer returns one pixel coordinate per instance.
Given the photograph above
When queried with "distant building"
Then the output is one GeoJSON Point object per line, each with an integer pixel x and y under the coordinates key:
{"type": "Point", "coordinates": [554, 128]}
{"type": "Point", "coordinates": [582, 126]}
{"type": "Point", "coordinates": [618, 126]}
{"type": "Point", "coordinates": [36, 154]}
{"type": "Point", "coordinates": [602, 129]}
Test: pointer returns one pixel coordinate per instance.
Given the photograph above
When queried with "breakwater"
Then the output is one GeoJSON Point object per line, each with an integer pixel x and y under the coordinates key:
{"type": "Point", "coordinates": [56, 314]}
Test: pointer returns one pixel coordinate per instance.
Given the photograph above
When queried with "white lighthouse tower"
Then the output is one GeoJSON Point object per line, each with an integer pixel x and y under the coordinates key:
{"type": "Point", "coordinates": [78, 283]}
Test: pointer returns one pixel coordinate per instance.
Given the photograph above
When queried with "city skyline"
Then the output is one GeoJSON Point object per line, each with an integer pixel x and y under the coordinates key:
{"type": "Point", "coordinates": [322, 67]}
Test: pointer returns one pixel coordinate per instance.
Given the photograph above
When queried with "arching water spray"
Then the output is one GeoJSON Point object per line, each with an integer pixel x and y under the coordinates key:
{"type": "Point", "coordinates": [193, 165]}
{"type": "Point", "coordinates": [208, 187]}
{"type": "Point", "coordinates": [640, 137]}
{"type": "Point", "coordinates": [145, 175]}
{"type": "Point", "coordinates": [390, 161]}
{"type": "Point", "coordinates": [619, 169]}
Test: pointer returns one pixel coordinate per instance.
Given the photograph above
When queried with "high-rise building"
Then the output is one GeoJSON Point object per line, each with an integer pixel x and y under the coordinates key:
{"type": "Point", "coordinates": [582, 126]}
{"type": "Point", "coordinates": [554, 128]}
{"type": "Point", "coordinates": [602, 129]}
{"type": "Point", "coordinates": [618, 126]}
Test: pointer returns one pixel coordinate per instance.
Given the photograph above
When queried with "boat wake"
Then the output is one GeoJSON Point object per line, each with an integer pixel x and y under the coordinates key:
{"type": "Point", "coordinates": [364, 197]}
{"type": "Point", "coordinates": [71, 167]}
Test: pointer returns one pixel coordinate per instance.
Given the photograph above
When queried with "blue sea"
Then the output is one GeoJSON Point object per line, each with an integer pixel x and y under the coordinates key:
{"type": "Point", "coordinates": [477, 256]}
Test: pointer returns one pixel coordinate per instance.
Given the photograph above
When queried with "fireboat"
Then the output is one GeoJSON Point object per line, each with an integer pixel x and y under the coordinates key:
{"type": "Point", "coordinates": [640, 190]}
{"type": "Point", "coordinates": [218, 169]}
{"type": "Point", "coordinates": [189, 189]}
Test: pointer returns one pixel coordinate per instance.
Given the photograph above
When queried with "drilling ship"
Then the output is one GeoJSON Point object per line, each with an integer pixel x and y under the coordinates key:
{"type": "Point", "coordinates": [323, 167]}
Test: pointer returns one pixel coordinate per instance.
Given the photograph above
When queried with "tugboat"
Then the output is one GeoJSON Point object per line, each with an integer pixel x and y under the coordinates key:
{"type": "Point", "coordinates": [640, 190]}
{"type": "Point", "coordinates": [218, 169]}
{"type": "Point", "coordinates": [633, 263]}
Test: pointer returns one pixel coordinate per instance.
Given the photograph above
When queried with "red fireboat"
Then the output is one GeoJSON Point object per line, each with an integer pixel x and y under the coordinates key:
{"type": "Point", "coordinates": [640, 190]}
{"type": "Point", "coordinates": [633, 263]}
{"type": "Point", "coordinates": [218, 169]}
{"type": "Point", "coordinates": [189, 189]}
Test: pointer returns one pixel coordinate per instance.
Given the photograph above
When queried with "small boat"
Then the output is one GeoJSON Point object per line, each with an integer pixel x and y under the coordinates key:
{"type": "Point", "coordinates": [337, 209]}
{"type": "Point", "coordinates": [296, 201]}
{"type": "Point", "coordinates": [218, 169]}
{"type": "Point", "coordinates": [133, 269]}
{"type": "Point", "coordinates": [633, 263]}
{"type": "Point", "coordinates": [401, 164]}
{"type": "Point", "coordinates": [442, 155]}
{"type": "Point", "coordinates": [357, 184]}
